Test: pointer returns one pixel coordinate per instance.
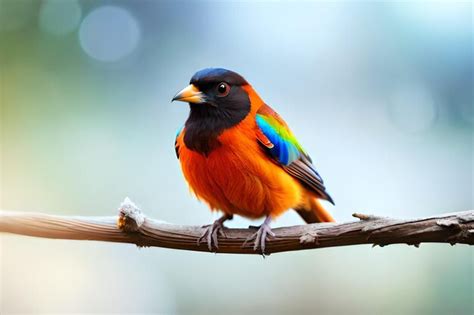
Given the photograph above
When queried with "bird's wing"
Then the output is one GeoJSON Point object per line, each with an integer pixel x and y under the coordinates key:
{"type": "Point", "coordinates": [275, 135]}
{"type": "Point", "coordinates": [176, 144]}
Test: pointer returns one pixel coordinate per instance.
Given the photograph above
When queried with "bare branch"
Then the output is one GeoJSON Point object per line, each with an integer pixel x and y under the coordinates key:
{"type": "Point", "coordinates": [132, 226]}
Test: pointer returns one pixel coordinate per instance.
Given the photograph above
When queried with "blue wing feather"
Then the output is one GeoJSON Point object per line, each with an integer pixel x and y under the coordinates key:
{"type": "Point", "coordinates": [284, 151]}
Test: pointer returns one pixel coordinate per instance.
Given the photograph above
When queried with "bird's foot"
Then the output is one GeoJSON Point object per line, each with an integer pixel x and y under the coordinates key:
{"type": "Point", "coordinates": [260, 237]}
{"type": "Point", "coordinates": [211, 232]}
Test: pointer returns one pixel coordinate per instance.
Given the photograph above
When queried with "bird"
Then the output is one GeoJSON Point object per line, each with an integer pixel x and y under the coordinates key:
{"type": "Point", "coordinates": [240, 157]}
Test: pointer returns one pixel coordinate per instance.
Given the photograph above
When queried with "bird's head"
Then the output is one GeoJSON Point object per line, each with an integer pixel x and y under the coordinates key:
{"type": "Point", "coordinates": [219, 99]}
{"type": "Point", "coordinates": [216, 90]}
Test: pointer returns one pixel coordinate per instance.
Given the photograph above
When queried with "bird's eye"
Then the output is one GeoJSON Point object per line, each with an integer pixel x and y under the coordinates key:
{"type": "Point", "coordinates": [223, 89]}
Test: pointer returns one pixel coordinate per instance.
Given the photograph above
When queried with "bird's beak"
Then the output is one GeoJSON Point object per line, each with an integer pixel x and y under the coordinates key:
{"type": "Point", "coordinates": [190, 94]}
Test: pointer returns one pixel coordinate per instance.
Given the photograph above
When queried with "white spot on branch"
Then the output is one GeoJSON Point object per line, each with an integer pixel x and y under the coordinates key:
{"type": "Point", "coordinates": [309, 238]}
{"type": "Point", "coordinates": [131, 218]}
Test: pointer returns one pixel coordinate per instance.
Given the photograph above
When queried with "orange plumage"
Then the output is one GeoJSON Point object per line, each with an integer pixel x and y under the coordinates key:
{"type": "Point", "coordinates": [237, 175]}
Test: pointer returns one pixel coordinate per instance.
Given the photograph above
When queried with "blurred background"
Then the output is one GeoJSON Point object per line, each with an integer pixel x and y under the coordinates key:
{"type": "Point", "coordinates": [380, 94]}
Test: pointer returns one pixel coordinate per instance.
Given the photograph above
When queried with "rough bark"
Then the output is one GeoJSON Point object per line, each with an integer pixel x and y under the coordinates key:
{"type": "Point", "coordinates": [131, 226]}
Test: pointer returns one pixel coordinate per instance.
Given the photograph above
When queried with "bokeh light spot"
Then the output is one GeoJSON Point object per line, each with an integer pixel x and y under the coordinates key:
{"type": "Point", "coordinates": [412, 109]}
{"type": "Point", "coordinates": [59, 17]}
{"type": "Point", "coordinates": [109, 33]}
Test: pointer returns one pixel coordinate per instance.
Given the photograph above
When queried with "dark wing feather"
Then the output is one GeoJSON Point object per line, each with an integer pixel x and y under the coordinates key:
{"type": "Point", "coordinates": [303, 170]}
{"type": "Point", "coordinates": [176, 144]}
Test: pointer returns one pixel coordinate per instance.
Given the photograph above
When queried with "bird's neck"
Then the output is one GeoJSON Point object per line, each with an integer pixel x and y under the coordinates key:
{"type": "Point", "coordinates": [255, 99]}
{"type": "Point", "coordinates": [204, 125]}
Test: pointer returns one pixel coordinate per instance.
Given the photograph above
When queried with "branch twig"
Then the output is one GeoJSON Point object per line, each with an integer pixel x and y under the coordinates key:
{"type": "Point", "coordinates": [131, 226]}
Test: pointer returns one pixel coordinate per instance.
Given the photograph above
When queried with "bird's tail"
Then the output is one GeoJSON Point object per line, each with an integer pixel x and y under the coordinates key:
{"type": "Point", "coordinates": [314, 212]}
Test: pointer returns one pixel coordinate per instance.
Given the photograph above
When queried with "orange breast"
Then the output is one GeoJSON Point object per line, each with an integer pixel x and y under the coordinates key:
{"type": "Point", "coordinates": [238, 177]}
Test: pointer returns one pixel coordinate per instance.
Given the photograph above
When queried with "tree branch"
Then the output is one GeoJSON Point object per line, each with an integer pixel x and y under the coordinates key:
{"type": "Point", "coordinates": [131, 226]}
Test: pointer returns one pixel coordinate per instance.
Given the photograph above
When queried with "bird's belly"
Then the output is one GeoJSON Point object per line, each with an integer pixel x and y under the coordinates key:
{"type": "Point", "coordinates": [241, 180]}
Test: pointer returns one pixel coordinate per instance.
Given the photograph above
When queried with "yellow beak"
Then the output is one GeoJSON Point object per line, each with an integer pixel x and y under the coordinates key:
{"type": "Point", "coordinates": [190, 94]}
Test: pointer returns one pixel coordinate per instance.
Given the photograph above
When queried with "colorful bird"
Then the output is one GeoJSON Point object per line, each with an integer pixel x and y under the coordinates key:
{"type": "Point", "coordinates": [240, 157]}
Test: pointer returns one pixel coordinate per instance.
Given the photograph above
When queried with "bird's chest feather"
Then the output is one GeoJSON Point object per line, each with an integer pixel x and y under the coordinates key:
{"type": "Point", "coordinates": [237, 177]}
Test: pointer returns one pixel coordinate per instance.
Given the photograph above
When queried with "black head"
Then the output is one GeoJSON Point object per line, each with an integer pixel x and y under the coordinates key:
{"type": "Point", "coordinates": [216, 87]}
{"type": "Point", "coordinates": [215, 75]}
{"type": "Point", "coordinates": [217, 101]}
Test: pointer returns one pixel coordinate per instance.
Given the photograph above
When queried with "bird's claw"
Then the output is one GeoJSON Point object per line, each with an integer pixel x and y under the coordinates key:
{"type": "Point", "coordinates": [260, 237]}
{"type": "Point", "coordinates": [210, 234]}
